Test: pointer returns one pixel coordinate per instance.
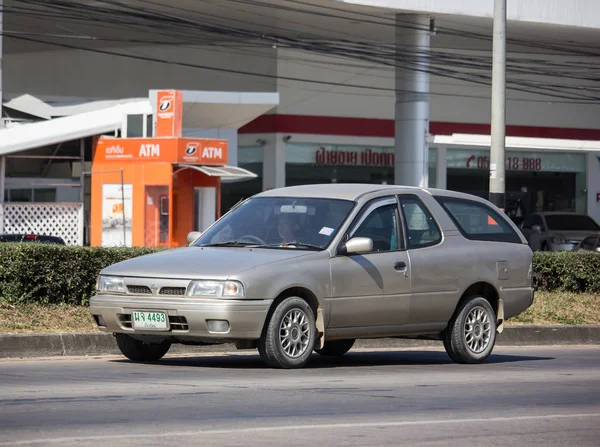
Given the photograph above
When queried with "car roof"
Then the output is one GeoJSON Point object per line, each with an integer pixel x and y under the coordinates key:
{"type": "Point", "coordinates": [559, 213]}
{"type": "Point", "coordinates": [351, 191]}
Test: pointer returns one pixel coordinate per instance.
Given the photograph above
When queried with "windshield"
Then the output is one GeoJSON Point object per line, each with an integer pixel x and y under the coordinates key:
{"type": "Point", "coordinates": [571, 222]}
{"type": "Point", "coordinates": [280, 221]}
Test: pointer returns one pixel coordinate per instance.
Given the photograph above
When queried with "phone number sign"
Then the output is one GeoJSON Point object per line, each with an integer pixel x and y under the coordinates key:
{"type": "Point", "coordinates": [518, 161]}
{"type": "Point", "coordinates": [512, 163]}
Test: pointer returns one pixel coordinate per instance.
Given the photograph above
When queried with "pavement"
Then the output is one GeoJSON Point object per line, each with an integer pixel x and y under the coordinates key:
{"type": "Point", "coordinates": [101, 343]}
{"type": "Point", "coordinates": [523, 396]}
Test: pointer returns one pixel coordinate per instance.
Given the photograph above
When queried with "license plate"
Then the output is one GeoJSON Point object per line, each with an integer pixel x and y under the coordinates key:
{"type": "Point", "coordinates": [150, 320]}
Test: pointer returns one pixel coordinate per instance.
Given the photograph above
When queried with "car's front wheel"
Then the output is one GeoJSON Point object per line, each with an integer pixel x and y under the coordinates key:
{"type": "Point", "coordinates": [336, 348]}
{"type": "Point", "coordinates": [139, 351]}
{"type": "Point", "coordinates": [471, 333]}
{"type": "Point", "coordinates": [289, 335]}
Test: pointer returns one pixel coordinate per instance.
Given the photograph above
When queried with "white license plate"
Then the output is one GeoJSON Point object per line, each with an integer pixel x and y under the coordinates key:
{"type": "Point", "coordinates": [150, 320]}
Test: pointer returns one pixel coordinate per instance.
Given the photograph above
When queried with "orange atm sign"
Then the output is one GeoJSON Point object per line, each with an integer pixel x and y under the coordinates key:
{"type": "Point", "coordinates": [196, 151]}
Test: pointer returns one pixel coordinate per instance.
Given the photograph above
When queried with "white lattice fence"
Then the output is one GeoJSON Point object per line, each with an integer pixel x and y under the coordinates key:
{"type": "Point", "coordinates": [52, 219]}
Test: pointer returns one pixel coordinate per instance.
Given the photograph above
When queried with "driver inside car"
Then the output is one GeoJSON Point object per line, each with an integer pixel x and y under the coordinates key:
{"type": "Point", "coordinates": [287, 228]}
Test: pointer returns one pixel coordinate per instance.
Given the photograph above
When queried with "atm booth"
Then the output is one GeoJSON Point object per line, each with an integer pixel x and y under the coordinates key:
{"type": "Point", "coordinates": [154, 191]}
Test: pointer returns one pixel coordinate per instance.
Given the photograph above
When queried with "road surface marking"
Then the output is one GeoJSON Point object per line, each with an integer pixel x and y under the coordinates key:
{"type": "Point", "coordinates": [300, 427]}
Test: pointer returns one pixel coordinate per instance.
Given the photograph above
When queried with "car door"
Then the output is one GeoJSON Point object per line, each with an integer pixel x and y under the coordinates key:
{"type": "Point", "coordinates": [435, 270]}
{"type": "Point", "coordinates": [372, 289]}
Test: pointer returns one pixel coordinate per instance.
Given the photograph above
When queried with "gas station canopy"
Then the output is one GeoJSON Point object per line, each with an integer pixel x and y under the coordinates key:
{"type": "Point", "coordinates": [221, 110]}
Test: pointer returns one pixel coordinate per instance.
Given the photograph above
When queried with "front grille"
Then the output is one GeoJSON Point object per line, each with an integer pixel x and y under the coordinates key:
{"type": "Point", "coordinates": [178, 323]}
{"type": "Point", "coordinates": [125, 320]}
{"type": "Point", "coordinates": [139, 290]}
{"type": "Point", "coordinates": [173, 291]}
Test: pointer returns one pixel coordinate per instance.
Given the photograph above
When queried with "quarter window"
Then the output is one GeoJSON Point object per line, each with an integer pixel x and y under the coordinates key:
{"type": "Point", "coordinates": [421, 228]}
{"type": "Point", "coordinates": [477, 221]}
{"type": "Point", "coordinates": [381, 225]}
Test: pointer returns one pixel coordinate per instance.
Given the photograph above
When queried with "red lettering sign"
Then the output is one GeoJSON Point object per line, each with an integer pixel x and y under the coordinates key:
{"type": "Point", "coordinates": [367, 157]}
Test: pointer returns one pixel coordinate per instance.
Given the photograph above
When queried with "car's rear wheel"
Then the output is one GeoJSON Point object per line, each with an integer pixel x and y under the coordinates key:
{"type": "Point", "coordinates": [289, 335]}
{"type": "Point", "coordinates": [471, 333]}
{"type": "Point", "coordinates": [139, 351]}
{"type": "Point", "coordinates": [336, 348]}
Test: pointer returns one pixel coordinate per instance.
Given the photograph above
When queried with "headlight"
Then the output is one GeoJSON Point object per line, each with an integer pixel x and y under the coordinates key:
{"type": "Point", "coordinates": [218, 289]}
{"type": "Point", "coordinates": [111, 284]}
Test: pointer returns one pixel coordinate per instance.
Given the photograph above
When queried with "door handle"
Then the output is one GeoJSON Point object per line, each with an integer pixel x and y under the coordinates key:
{"type": "Point", "coordinates": [400, 266]}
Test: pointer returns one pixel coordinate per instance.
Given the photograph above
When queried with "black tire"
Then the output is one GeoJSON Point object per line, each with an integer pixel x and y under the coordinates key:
{"type": "Point", "coordinates": [138, 351]}
{"type": "Point", "coordinates": [278, 352]}
{"type": "Point", "coordinates": [475, 348]}
{"type": "Point", "coordinates": [336, 348]}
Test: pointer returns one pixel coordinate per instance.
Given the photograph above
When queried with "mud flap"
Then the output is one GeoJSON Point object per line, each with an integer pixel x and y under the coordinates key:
{"type": "Point", "coordinates": [500, 319]}
{"type": "Point", "coordinates": [320, 323]}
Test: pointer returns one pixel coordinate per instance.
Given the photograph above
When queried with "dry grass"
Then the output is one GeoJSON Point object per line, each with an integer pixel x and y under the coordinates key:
{"type": "Point", "coordinates": [561, 308]}
{"type": "Point", "coordinates": [30, 318]}
{"type": "Point", "coordinates": [548, 308]}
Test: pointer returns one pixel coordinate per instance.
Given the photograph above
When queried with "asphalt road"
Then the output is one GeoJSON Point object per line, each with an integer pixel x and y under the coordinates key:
{"type": "Point", "coordinates": [523, 396]}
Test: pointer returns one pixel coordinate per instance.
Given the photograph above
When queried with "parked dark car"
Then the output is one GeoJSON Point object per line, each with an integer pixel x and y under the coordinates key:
{"type": "Point", "coordinates": [590, 243]}
{"type": "Point", "coordinates": [557, 231]}
{"type": "Point", "coordinates": [40, 238]}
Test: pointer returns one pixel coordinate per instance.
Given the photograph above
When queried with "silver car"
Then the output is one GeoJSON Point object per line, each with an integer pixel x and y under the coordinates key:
{"type": "Point", "coordinates": [557, 231]}
{"type": "Point", "coordinates": [313, 268]}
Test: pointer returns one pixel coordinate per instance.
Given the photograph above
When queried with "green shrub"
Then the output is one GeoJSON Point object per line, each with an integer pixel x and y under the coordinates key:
{"type": "Point", "coordinates": [567, 272]}
{"type": "Point", "coordinates": [53, 274]}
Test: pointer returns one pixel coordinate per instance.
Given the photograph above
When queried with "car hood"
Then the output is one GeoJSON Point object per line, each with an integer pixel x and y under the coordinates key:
{"type": "Point", "coordinates": [201, 262]}
{"type": "Point", "coordinates": [572, 235]}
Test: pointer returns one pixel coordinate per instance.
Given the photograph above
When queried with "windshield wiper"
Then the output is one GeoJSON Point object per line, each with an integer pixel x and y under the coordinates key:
{"type": "Point", "coordinates": [294, 244]}
{"type": "Point", "coordinates": [229, 244]}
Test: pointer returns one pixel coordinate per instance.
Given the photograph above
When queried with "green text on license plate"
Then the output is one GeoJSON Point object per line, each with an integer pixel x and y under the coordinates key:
{"type": "Point", "coordinates": [149, 320]}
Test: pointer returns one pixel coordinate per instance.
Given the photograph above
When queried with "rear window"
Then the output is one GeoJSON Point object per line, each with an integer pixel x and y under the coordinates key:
{"type": "Point", "coordinates": [571, 222]}
{"type": "Point", "coordinates": [477, 221]}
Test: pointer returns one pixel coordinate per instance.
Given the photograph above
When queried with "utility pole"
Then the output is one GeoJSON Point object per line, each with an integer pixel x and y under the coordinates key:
{"type": "Point", "coordinates": [497, 157]}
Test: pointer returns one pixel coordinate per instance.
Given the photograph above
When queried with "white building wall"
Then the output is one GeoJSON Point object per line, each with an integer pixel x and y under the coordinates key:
{"type": "Point", "coordinates": [585, 13]}
{"type": "Point", "coordinates": [85, 74]}
{"type": "Point", "coordinates": [451, 101]}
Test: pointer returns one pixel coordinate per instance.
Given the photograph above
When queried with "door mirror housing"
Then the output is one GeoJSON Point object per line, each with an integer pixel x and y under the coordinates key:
{"type": "Point", "coordinates": [357, 245]}
{"type": "Point", "coordinates": [192, 236]}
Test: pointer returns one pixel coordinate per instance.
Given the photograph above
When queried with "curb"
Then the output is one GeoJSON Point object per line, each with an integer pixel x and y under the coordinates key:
{"type": "Point", "coordinates": [101, 343]}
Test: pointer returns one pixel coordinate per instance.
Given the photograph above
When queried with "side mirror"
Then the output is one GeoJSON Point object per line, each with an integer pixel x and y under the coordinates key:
{"type": "Point", "coordinates": [191, 237]}
{"type": "Point", "coordinates": [357, 245]}
{"type": "Point", "coordinates": [537, 228]}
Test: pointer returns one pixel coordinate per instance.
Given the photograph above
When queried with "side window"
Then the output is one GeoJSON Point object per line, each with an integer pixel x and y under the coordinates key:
{"type": "Point", "coordinates": [381, 225]}
{"type": "Point", "coordinates": [477, 221]}
{"type": "Point", "coordinates": [528, 224]}
{"type": "Point", "coordinates": [537, 220]}
{"type": "Point", "coordinates": [589, 243]}
{"type": "Point", "coordinates": [420, 226]}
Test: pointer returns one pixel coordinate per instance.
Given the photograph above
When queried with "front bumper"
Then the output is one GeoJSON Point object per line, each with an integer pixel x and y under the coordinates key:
{"type": "Point", "coordinates": [188, 317]}
{"type": "Point", "coordinates": [568, 246]}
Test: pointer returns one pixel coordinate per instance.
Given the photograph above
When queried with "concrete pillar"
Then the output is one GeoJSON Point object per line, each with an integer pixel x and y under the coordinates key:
{"type": "Point", "coordinates": [1, 52]}
{"type": "Point", "coordinates": [274, 162]}
{"type": "Point", "coordinates": [441, 168]}
{"type": "Point", "coordinates": [412, 101]}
